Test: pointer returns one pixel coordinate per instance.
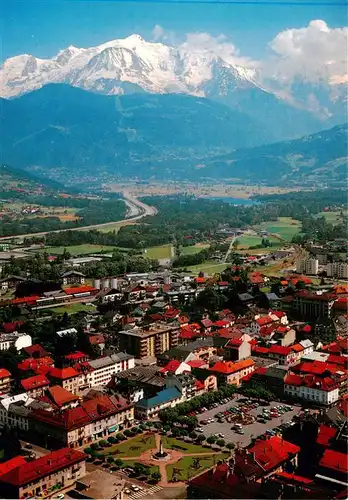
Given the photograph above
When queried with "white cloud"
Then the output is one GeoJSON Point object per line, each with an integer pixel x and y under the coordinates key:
{"type": "Point", "coordinates": [158, 33]}
{"type": "Point", "coordinates": [315, 53]}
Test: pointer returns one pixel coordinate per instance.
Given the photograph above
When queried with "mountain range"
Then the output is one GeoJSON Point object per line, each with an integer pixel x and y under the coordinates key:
{"type": "Point", "coordinates": [133, 65]}
{"type": "Point", "coordinates": [72, 135]}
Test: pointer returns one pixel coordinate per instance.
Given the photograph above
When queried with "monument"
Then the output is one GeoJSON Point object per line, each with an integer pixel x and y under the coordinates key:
{"type": "Point", "coordinates": [161, 454]}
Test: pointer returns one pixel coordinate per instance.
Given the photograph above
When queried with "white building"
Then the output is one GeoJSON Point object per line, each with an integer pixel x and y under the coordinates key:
{"type": "Point", "coordinates": [14, 411]}
{"type": "Point", "coordinates": [18, 340]}
{"type": "Point", "coordinates": [312, 389]}
{"type": "Point", "coordinates": [100, 371]}
{"type": "Point", "coordinates": [337, 270]}
{"type": "Point", "coordinates": [308, 346]}
{"type": "Point", "coordinates": [307, 266]}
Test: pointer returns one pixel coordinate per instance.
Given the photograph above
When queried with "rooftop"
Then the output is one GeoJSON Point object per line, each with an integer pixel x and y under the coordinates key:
{"type": "Point", "coordinates": [42, 467]}
{"type": "Point", "coordinates": [163, 396]}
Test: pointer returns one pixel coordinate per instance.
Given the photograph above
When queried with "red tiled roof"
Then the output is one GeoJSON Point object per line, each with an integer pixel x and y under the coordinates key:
{"type": "Point", "coordinates": [292, 379]}
{"type": "Point", "coordinates": [200, 280]}
{"type": "Point", "coordinates": [297, 348]}
{"type": "Point", "coordinates": [293, 478]}
{"type": "Point", "coordinates": [228, 367]}
{"type": "Point", "coordinates": [186, 332]}
{"type": "Point", "coordinates": [26, 300]}
{"type": "Point", "coordinates": [207, 323]}
{"type": "Point", "coordinates": [196, 363]}
{"type": "Point", "coordinates": [79, 289]}
{"type": "Point", "coordinates": [96, 339]}
{"type": "Point", "coordinates": [281, 350]}
{"type": "Point", "coordinates": [334, 460]}
{"type": "Point", "coordinates": [4, 373]}
{"type": "Point", "coordinates": [259, 350]}
{"type": "Point", "coordinates": [264, 320]}
{"type": "Point", "coordinates": [75, 356]}
{"type": "Point", "coordinates": [12, 327]}
{"type": "Point", "coordinates": [273, 452]}
{"type": "Point", "coordinates": [199, 385]}
{"type": "Point", "coordinates": [172, 366]}
{"type": "Point", "coordinates": [36, 349]}
{"type": "Point", "coordinates": [325, 434]}
{"type": "Point", "coordinates": [61, 396]}
{"type": "Point", "coordinates": [62, 373]}
{"type": "Point", "coordinates": [11, 464]}
{"type": "Point", "coordinates": [222, 323]}
{"type": "Point", "coordinates": [34, 382]}
{"type": "Point", "coordinates": [35, 364]}
{"type": "Point", "coordinates": [42, 467]}
{"type": "Point", "coordinates": [338, 360]}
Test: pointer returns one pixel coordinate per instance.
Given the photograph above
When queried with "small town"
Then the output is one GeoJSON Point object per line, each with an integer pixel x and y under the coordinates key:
{"type": "Point", "coordinates": [169, 385]}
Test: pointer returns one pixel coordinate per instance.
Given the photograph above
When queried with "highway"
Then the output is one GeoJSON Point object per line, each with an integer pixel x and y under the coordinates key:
{"type": "Point", "coordinates": [136, 211]}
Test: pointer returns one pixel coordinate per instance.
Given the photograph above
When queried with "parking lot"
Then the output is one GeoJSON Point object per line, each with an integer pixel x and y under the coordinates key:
{"type": "Point", "coordinates": [250, 431]}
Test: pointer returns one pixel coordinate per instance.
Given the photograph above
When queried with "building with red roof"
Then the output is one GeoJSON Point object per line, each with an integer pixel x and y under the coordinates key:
{"type": "Point", "coordinates": [325, 435]}
{"type": "Point", "coordinates": [229, 372]}
{"type": "Point", "coordinates": [334, 464]}
{"type": "Point", "coordinates": [275, 453]}
{"type": "Point", "coordinates": [283, 355]}
{"type": "Point", "coordinates": [316, 389]}
{"type": "Point", "coordinates": [60, 398]}
{"type": "Point", "coordinates": [12, 327]}
{"type": "Point", "coordinates": [95, 417]}
{"type": "Point", "coordinates": [36, 351]}
{"type": "Point", "coordinates": [175, 367]}
{"type": "Point", "coordinates": [44, 476]}
{"type": "Point", "coordinates": [68, 378]}
{"type": "Point", "coordinates": [35, 386]}
{"type": "Point", "coordinates": [5, 381]}
{"type": "Point", "coordinates": [76, 357]}
{"type": "Point", "coordinates": [11, 464]}
{"type": "Point", "coordinates": [313, 305]}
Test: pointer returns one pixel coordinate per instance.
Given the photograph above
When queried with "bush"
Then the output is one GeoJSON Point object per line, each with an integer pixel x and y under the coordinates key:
{"type": "Point", "coordinates": [200, 438]}
{"type": "Point", "coordinates": [230, 446]}
{"type": "Point", "coordinates": [95, 446]}
{"type": "Point", "coordinates": [128, 433]}
{"type": "Point", "coordinates": [103, 443]}
{"type": "Point", "coordinates": [111, 439]}
{"type": "Point", "coordinates": [120, 436]}
{"type": "Point", "coordinates": [220, 442]}
{"type": "Point", "coordinates": [110, 460]}
{"type": "Point", "coordinates": [88, 451]}
{"type": "Point", "coordinates": [119, 462]}
{"type": "Point", "coordinates": [211, 439]}
{"type": "Point", "coordinates": [156, 476]}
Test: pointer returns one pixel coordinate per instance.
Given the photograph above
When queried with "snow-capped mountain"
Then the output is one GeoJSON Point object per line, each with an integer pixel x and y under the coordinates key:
{"type": "Point", "coordinates": [155, 67]}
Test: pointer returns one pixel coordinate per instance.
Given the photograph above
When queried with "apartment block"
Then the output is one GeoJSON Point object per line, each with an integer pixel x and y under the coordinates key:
{"type": "Point", "coordinates": [149, 342]}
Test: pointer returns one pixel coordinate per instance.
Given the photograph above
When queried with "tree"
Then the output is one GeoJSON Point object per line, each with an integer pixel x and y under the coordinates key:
{"type": "Point", "coordinates": [119, 462]}
{"type": "Point", "coordinates": [220, 442]}
{"type": "Point", "coordinates": [211, 439]}
{"type": "Point", "coordinates": [156, 476]}
{"type": "Point", "coordinates": [230, 446]}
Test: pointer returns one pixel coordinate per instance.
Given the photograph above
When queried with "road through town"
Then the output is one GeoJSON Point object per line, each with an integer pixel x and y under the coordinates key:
{"type": "Point", "coordinates": [136, 211]}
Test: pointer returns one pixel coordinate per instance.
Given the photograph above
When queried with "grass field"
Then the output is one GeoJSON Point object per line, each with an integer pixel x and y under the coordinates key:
{"type": "Point", "coordinates": [246, 241]}
{"type": "Point", "coordinates": [285, 227]}
{"type": "Point", "coordinates": [132, 463]}
{"type": "Point", "coordinates": [161, 252]}
{"type": "Point", "coordinates": [185, 470]}
{"type": "Point", "coordinates": [70, 309]}
{"type": "Point", "coordinates": [132, 447]}
{"type": "Point", "coordinates": [173, 443]}
{"type": "Point", "coordinates": [75, 250]}
{"type": "Point", "coordinates": [115, 226]}
{"type": "Point", "coordinates": [208, 268]}
{"type": "Point", "coordinates": [193, 249]}
{"type": "Point", "coordinates": [334, 218]}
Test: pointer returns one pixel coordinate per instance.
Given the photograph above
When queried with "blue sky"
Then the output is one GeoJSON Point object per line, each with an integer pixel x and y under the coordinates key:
{"type": "Point", "coordinates": [44, 27]}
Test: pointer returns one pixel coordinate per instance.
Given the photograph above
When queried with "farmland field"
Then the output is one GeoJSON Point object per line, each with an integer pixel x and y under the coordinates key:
{"type": "Point", "coordinates": [160, 252]}
{"type": "Point", "coordinates": [208, 268]}
{"type": "Point", "coordinates": [193, 249]}
{"type": "Point", "coordinates": [333, 217]}
{"type": "Point", "coordinates": [70, 309]}
{"type": "Point", "coordinates": [285, 227]}
{"type": "Point", "coordinates": [75, 250]}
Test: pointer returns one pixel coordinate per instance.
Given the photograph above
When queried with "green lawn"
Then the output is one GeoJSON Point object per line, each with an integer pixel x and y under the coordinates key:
{"type": "Point", "coordinates": [131, 463]}
{"type": "Point", "coordinates": [173, 443]}
{"type": "Point", "coordinates": [209, 268]}
{"type": "Point", "coordinates": [114, 226]}
{"type": "Point", "coordinates": [286, 227]}
{"type": "Point", "coordinates": [132, 447]}
{"type": "Point", "coordinates": [161, 252]}
{"type": "Point", "coordinates": [75, 250]}
{"type": "Point", "coordinates": [193, 249]}
{"type": "Point", "coordinates": [246, 241]}
{"type": "Point", "coordinates": [333, 217]}
{"type": "Point", "coordinates": [70, 309]}
{"type": "Point", "coordinates": [184, 468]}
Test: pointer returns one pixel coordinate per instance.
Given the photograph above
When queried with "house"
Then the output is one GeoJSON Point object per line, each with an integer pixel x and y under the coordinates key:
{"type": "Point", "coordinates": [5, 382]}
{"type": "Point", "coordinates": [113, 295]}
{"type": "Point", "coordinates": [270, 378]}
{"type": "Point", "coordinates": [35, 351]}
{"type": "Point", "coordinates": [283, 355]}
{"type": "Point", "coordinates": [68, 378]}
{"type": "Point", "coordinates": [307, 345]}
{"type": "Point", "coordinates": [75, 357]}
{"type": "Point", "coordinates": [149, 341]}
{"type": "Point", "coordinates": [312, 388]}
{"type": "Point", "coordinates": [333, 466]}
{"type": "Point", "coordinates": [237, 349]}
{"type": "Point", "coordinates": [228, 372]}
{"type": "Point", "coordinates": [15, 339]}
{"type": "Point", "coordinates": [284, 335]}
{"type": "Point", "coordinates": [205, 383]}
{"type": "Point", "coordinates": [149, 408]}
{"type": "Point", "coordinates": [185, 383]}
{"type": "Point", "coordinates": [60, 399]}
{"type": "Point", "coordinates": [175, 367]}
{"type": "Point", "coordinates": [44, 476]}
{"type": "Point", "coordinates": [95, 417]}
{"type": "Point", "coordinates": [73, 277]}
{"type": "Point", "coordinates": [313, 305]}
{"type": "Point", "coordinates": [35, 386]}
{"type": "Point", "coordinates": [10, 282]}
{"type": "Point", "coordinates": [275, 454]}
{"type": "Point", "coordinates": [99, 372]}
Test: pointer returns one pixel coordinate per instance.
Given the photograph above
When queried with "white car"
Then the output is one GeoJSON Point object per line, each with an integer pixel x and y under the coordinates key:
{"type": "Point", "coordinates": [60, 496]}
{"type": "Point", "coordinates": [135, 488]}
{"type": "Point", "coordinates": [127, 491]}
